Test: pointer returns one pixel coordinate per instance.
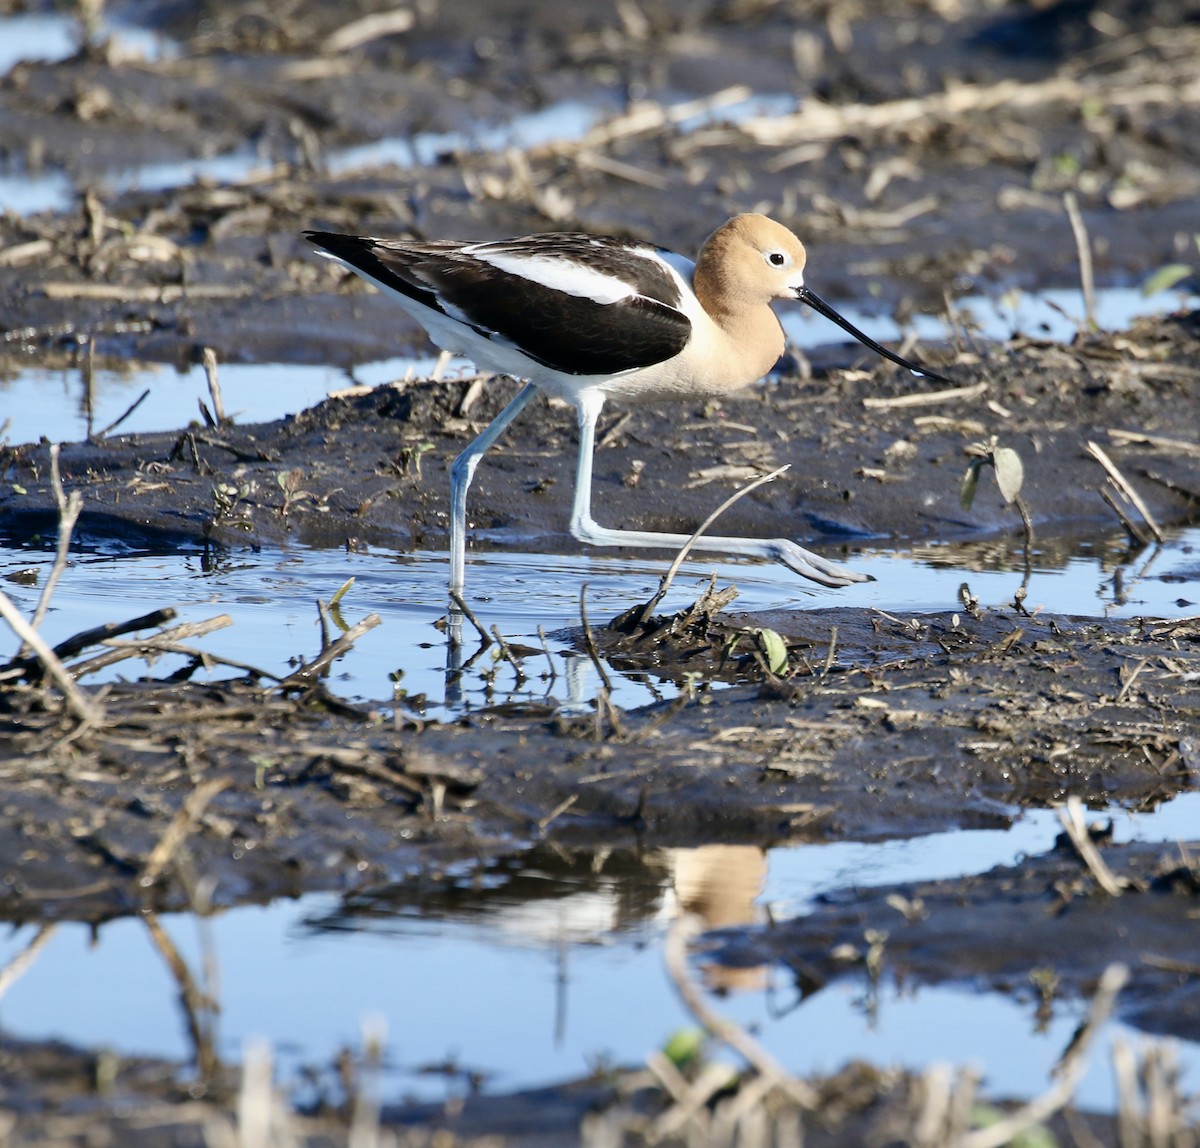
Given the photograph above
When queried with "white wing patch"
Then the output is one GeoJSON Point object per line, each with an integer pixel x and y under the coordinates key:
{"type": "Point", "coordinates": [558, 274]}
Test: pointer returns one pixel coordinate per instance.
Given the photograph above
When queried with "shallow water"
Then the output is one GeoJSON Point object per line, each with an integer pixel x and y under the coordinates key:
{"type": "Point", "coordinates": [424, 958]}
{"type": "Point", "coordinates": [577, 952]}
{"type": "Point", "coordinates": [270, 594]}
{"type": "Point", "coordinates": [58, 404]}
{"type": "Point", "coordinates": [54, 403]}
{"type": "Point", "coordinates": [50, 37]}
{"type": "Point", "coordinates": [567, 946]}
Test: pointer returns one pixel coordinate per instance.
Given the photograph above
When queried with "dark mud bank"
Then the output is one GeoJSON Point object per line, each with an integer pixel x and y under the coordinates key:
{"type": "Point", "coordinates": [372, 469]}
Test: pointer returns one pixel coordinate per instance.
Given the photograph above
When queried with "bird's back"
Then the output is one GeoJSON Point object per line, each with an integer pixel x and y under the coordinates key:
{"type": "Point", "coordinates": [580, 305]}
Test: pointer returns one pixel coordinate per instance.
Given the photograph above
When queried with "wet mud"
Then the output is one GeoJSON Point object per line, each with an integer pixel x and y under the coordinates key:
{"type": "Point", "coordinates": [928, 160]}
{"type": "Point", "coordinates": [1059, 923]}
{"type": "Point", "coordinates": [373, 469]}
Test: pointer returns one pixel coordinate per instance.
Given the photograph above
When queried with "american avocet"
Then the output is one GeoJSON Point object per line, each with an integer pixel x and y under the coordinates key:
{"type": "Point", "coordinates": [589, 316]}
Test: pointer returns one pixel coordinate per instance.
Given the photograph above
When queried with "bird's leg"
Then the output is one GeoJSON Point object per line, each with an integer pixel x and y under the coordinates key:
{"type": "Point", "coordinates": [460, 479]}
{"type": "Point", "coordinates": [586, 529]}
{"type": "Point", "coordinates": [583, 526]}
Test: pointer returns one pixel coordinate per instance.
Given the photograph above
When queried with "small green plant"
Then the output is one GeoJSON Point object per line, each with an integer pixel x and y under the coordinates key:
{"type": "Point", "coordinates": [1010, 471]}
{"type": "Point", "coordinates": [408, 461]}
{"type": "Point", "coordinates": [290, 482]}
{"type": "Point", "coordinates": [226, 496]}
{"type": "Point", "coordinates": [692, 681]}
{"type": "Point", "coordinates": [1046, 981]}
{"type": "Point", "coordinates": [262, 763]}
{"type": "Point", "coordinates": [771, 651]}
{"type": "Point", "coordinates": [684, 1048]}
{"type": "Point", "coordinates": [1170, 274]}
{"type": "Point", "coordinates": [774, 650]}
{"type": "Point", "coordinates": [876, 955]}
{"type": "Point", "coordinates": [335, 605]}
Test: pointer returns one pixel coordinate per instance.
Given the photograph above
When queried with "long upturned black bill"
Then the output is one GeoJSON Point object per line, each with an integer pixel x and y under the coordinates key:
{"type": "Point", "coordinates": [822, 308]}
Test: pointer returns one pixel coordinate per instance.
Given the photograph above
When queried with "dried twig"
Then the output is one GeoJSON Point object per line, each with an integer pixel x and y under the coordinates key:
{"type": "Point", "coordinates": [817, 121]}
{"type": "Point", "coordinates": [181, 825]}
{"type": "Point", "coordinates": [833, 632]}
{"type": "Point", "coordinates": [198, 1007]}
{"type": "Point", "coordinates": [364, 1129]}
{"type": "Point", "coordinates": [589, 641]}
{"type": "Point", "coordinates": [614, 432]}
{"type": "Point", "coordinates": [209, 358]}
{"type": "Point", "coordinates": [1135, 531]}
{"type": "Point", "coordinates": [720, 1028]}
{"type": "Point", "coordinates": [1083, 248]}
{"type": "Point", "coordinates": [460, 604]}
{"type": "Point", "coordinates": [665, 584]}
{"type": "Point", "coordinates": [89, 712]}
{"type": "Point", "coordinates": [925, 398]}
{"type": "Point", "coordinates": [549, 658]}
{"type": "Point", "coordinates": [557, 812]}
{"type": "Point", "coordinates": [368, 28]}
{"type": "Point", "coordinates": [310, 671]}
{"type": "Point", "coordinates": [166, 642]}
{"type": "Point", "coordinates": [1069, 1071]}
{"type": "Point", "coordinates": [261, 1116]}
{"type": "Point", "coordinates": [606, 709]}
{"type": "Point", "coordinates": [1170, 965]}
{"type": "Point", "coordinates": [641, 119]}
{"type": "Point", "coordinates": [112, 426]}
{"type": "Point", "coordinates": [22, 253]}
{"type": "Point", "coordinates": [471, 395]}
{"type": "Point", "coordinates": [1124, 486]}
{"type": "Point", "coordinates": [691, 1104]}
{"type": "Point", "coordinates": [123, 293]}
{"type": "Point", "coordinates": [19, 965]}
{"type": "Point", "coordinates": [1129, 681]}
{"type": "Point", "coordinates": [1072, 821]}
{"type": "Point", "coordinates": [19, 667]}
{"type": "Point", "coordinates": [68, 515]}
{"type": "Point", "coordinates": [1141, 438]}
{"type": "Point", "coordinates": [509, 656]}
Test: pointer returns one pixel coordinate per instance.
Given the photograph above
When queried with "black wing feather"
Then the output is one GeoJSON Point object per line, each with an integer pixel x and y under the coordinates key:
{"type": "Point", "coordinates": [567, 333]}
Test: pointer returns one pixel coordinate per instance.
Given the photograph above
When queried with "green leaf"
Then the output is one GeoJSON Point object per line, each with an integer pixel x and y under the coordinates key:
{"type": "Point", "coordinates": [970, 483]}
{"type": "Point", "coordinates": [1010, 474]}
{"type": "Point", "coordinates": [1165, 278]}
{"type": "Point", "coordinates": [776, 650]}
{"type": "Point", "coordinates": [684, 1047]}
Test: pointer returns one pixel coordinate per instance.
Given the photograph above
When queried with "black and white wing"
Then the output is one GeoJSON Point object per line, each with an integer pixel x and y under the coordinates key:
{"type": "Point", "coordinates": [579, 304]}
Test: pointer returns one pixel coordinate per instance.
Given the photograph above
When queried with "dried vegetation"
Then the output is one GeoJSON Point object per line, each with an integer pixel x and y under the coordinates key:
{"type": "Point", "coordinates": [930, 149]}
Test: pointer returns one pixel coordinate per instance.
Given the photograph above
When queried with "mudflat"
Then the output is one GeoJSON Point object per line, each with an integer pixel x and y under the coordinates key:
{"type": "Point", "coordinates": [923, 153]}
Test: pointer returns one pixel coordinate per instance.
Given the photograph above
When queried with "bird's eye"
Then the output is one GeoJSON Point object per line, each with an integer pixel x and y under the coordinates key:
{"type": "Point", "coordinates": [776, 258]}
